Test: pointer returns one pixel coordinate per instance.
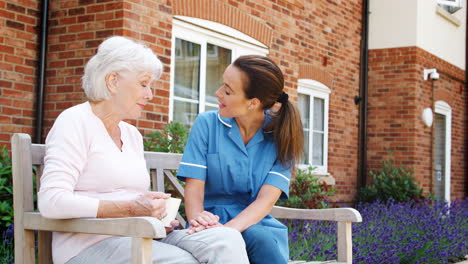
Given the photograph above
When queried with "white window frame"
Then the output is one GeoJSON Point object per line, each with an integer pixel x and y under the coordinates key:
{"type": "Point", "coordinates": [451, 6]}
{"type": "Point", "coordinates": [202, 32]}
{"type": "Point", "coordinates": [318, 90]}
{"type": "Point", "coordinates": [455, 3]}
{"type": "Point", "coordinates": [443, 108]}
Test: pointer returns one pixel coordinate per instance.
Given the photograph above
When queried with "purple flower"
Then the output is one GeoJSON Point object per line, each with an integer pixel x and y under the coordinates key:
{"type": "Point", "coordinates": [392, 232]}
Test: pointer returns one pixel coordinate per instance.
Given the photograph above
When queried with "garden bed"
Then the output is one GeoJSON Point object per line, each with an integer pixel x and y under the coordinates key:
{"type": "Point", "coordinates": [424, 232]}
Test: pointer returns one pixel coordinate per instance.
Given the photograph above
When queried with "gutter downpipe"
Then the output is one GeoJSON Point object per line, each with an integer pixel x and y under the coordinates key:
{"type": "Point", "coordinates": [41, 69]}
{"type": "Point", "coordinates": [362, 99]}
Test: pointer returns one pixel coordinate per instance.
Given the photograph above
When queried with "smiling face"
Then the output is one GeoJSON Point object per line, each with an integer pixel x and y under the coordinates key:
{"type": "Point", "coordinates": [231, 95]}
{"type": "Point", "coordinates": [131, 92]}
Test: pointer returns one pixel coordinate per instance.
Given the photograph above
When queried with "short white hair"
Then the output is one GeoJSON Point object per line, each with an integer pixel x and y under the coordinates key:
{"type": "Point", "coordinates": [120, 55]}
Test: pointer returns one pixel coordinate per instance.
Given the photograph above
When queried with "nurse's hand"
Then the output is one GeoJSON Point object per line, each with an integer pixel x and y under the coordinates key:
{"type": "Point", "coordinates": [203, 221]}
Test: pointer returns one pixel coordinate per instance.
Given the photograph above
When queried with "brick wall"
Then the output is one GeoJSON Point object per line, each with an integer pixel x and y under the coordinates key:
{"type": "Point", "coordinates": [319, 35]}
{"type": "Point", "coordinates": [18, 59]}
{"type": "Point", "coordinates": [79, 26]}
{"type": "Point", "coordinates": [306, 38]}
{"type": "Point", "coordinates": [397, 96]}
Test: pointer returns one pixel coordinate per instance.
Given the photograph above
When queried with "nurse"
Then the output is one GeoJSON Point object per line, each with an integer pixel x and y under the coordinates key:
{"type": "Point", "coordinates": [238, 160]}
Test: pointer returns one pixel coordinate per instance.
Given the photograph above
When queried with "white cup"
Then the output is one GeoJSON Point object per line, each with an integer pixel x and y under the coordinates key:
{"type": "Point", "coordinates": [172, 207]}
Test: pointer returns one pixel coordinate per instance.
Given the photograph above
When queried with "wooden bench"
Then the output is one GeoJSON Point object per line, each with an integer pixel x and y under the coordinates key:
{"type": "Point", "coordinates": [141, 229]}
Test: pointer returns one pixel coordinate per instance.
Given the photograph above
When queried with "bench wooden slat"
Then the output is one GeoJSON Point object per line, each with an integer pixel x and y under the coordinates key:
{"type": "Point", "coordinates": [45, 248]}
{"type": "Point", "coordinates": [141, 250]}
{"type": "Point", "coordinates": [174, 182]}
{"type": "Point", "coordinates": [167, 161]}
{"type": "Point", "coordinates": [333, 214]}
{"type": "Point", "coordinates": [129, 226]}
{"type": "Point", "coordinates": [22, 198]}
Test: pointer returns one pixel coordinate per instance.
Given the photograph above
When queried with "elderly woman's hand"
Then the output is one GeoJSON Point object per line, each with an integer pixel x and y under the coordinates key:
{"type": "Point", "coordinates": [174, 224]}
{"type": "Point", "coordinates": [157, 195]}
{"type": "Point", "coordinates": [147, 205]}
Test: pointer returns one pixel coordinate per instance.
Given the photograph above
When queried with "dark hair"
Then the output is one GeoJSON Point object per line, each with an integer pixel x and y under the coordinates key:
{"type": "Point", "coordinates": [266, 82]}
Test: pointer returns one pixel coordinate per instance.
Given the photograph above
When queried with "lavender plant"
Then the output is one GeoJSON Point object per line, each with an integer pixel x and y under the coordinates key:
{"type": "Point", "coordinates": [391, 232]}
{"type": "Point", "coordinates": [6, 246]}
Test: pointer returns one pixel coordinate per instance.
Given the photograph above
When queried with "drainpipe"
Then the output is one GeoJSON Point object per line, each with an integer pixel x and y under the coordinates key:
{"type": "Point", "coordinates": [41, 69]}
{"type": "Point", "coordinates": [362, 98]}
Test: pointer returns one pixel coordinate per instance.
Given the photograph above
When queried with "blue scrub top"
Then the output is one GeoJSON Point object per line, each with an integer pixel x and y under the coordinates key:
{"type": "Point", "coordinates": [234, 172]}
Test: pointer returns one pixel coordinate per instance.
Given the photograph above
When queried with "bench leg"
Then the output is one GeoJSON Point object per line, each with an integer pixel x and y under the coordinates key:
{"type": "Point", "coordinates": [24, 246]}
{"type": "Point", "coordinates": [44, 243]}
{"type": "Point", "coordinates": [142, 249]}
{"type": "Point", "coordinates": [345, 243]}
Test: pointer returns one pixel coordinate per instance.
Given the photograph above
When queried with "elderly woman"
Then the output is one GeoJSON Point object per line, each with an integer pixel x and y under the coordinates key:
{"type": "Point", "coordinates": [239, 159]}
{"type": "Point", "coordinates": [94, 167]}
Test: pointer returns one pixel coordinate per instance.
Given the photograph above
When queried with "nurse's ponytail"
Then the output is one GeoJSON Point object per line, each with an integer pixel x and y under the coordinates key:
{"type": "Point", "coordinates": [266, 82]}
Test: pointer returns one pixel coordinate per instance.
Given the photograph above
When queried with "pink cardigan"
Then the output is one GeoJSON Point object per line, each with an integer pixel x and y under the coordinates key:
{"type": "Point", "coordinates": [83, 166]}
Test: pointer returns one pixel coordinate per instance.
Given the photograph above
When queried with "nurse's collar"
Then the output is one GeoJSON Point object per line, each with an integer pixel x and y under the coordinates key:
{"type": "Point", "coordinates": [227, 121]}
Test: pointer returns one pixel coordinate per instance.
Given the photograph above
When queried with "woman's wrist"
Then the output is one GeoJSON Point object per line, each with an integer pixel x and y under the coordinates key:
{"type": "Point", "coordinates": [110, 209]}
{"type": "Point", "coordinates": [234, 225]}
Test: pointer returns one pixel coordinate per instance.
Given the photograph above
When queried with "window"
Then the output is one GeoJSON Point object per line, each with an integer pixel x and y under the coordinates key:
{"type": "Point", "coordinates": [313, 101]}
{"type": "Point", "coordinates": [451, 6]}
{"type": "Point", "coordinates": [200, 54]}
{"type": "Point", "coordinates": [442, 150]}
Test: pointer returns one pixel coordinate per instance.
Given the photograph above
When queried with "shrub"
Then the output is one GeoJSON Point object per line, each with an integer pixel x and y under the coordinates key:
{"type": "Point", "coordinates": [172, 138]}
{"type": "Point", "coordinates": [391, 183]}
{"type": "Point", "coordinates": [6, 190]}
{"type": "Point", "coordinates": [307, 192]}
{"type": "Point", "coordinates": [425, 232]}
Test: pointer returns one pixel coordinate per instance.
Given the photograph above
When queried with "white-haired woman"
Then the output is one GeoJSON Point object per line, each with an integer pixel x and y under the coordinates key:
{"type": "Point", "coordinates": [94, 167]}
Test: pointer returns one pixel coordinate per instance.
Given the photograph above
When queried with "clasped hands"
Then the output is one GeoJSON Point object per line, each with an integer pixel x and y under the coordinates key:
{"type": "Point", "coordinates": [202, 221]}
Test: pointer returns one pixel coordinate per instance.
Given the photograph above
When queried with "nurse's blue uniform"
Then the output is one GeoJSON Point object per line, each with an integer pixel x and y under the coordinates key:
{"type": "Point", "coordinates": [233, 175]}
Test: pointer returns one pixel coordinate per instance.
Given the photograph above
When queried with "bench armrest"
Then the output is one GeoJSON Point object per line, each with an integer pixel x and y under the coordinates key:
{"type": "Point", "coordinates": [332, 214]}
{"type": "Point", "coordinates": [146, 227]}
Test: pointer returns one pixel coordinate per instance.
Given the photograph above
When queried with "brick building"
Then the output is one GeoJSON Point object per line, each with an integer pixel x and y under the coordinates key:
{"type": "Point", "coordinates": [316, 43]}
{"type": "Point", "coordinates": [426, 36]}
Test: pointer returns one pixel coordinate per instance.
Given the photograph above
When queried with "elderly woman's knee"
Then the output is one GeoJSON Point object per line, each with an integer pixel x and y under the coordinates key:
{"type": "Point", "coordinates": [231, 235]}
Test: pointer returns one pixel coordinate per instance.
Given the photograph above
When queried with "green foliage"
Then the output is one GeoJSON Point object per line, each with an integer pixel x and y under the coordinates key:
{"type": "Point", "coordinates": [171, 139]}
{"type": "Point", "coordinates": [6, 189]}
{"type": "Point", "coordinates": [307, 192]}
{"type": "Point", "coordinates": [391, 183]}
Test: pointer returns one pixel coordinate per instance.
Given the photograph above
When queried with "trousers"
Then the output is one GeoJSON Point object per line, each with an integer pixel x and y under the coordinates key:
{"type": "Point", "coordinates": [262, 247]}
{"type": "Point", "coordinates": [217, 245]}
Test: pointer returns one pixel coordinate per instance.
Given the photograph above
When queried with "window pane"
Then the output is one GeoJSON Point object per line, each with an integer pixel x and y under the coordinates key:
{"type": "Point", "coordinates": [185, 113]}
{"type": "Point", "coordinates": [217, 59]}
{"type": "Point", "coordinates": [305, 157]}
{"type": "Point", "coordinates": [304, 109]}
{"type": "Point", "coordinates": [317, 149]}
{"type": "Point", "coordinates": [187, 69]}
{"type": "Point", "coordinates": [209, 108]}
{"type": "Point", "coordinates": [318, 114]}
